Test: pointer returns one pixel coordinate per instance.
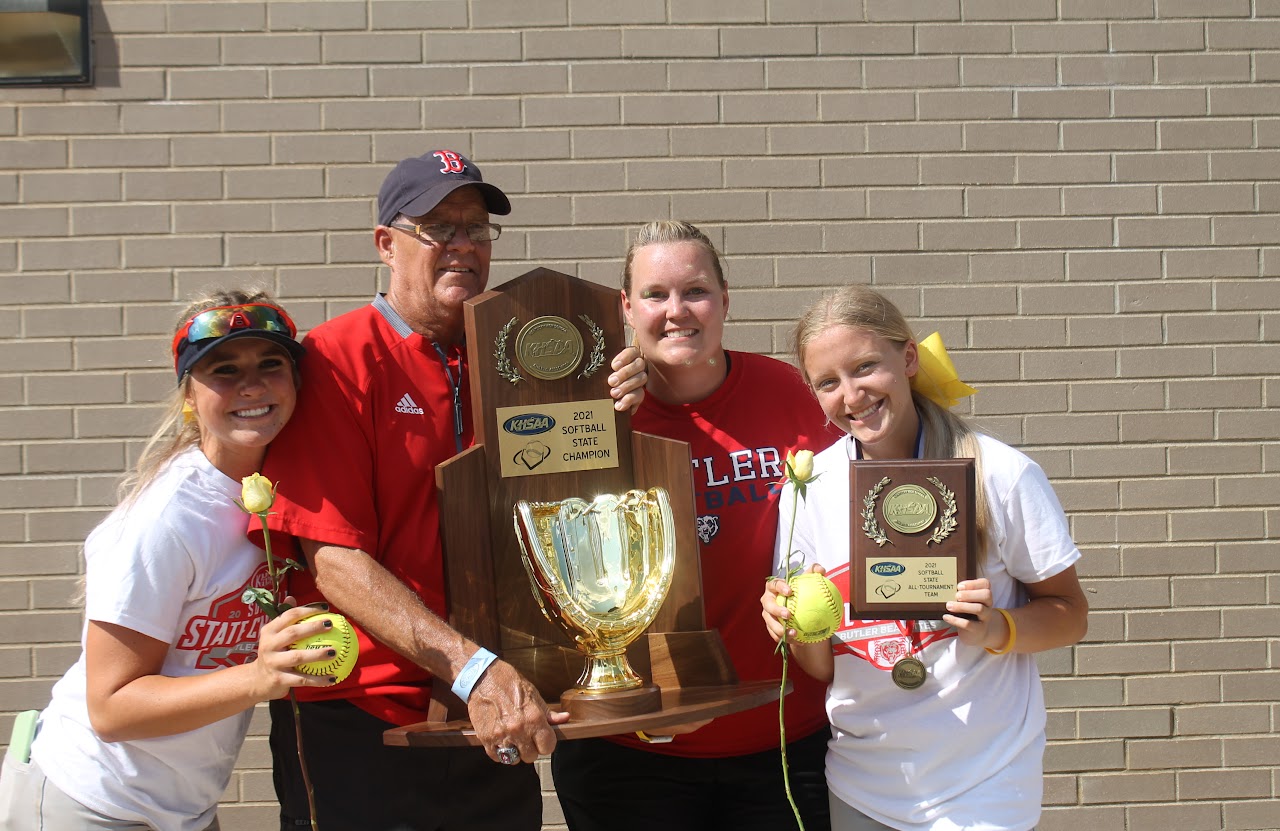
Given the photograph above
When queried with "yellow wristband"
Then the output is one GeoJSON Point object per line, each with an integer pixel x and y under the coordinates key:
{"type": "Point", "coordinates": [647, 739]}
{"type": "Point", "coordinates": [1013, 634]}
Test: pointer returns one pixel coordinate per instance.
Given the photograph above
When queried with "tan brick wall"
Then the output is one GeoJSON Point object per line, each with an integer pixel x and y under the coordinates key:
{"type": "Point", "coordinates": [1082, 195]}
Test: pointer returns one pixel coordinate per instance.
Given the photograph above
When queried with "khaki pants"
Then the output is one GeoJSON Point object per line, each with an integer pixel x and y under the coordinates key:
{"type": "Point", "coordinates": [845, 817]}
{"type": "Point", "coordinates": [30, 802]}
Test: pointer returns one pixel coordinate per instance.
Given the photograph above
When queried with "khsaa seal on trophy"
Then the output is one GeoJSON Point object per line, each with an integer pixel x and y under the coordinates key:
{"type": "Point", "coordinates": [600, 571]}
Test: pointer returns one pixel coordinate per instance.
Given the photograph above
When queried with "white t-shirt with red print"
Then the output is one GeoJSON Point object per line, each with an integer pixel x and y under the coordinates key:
{"type": "Point", "coordinates": [172, 565]}
{"type": "Point", "coordinates": [963, 751]}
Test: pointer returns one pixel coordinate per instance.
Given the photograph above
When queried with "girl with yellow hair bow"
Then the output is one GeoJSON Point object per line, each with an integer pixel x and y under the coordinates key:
{"type": "Point", "coordinates": [964, 748]}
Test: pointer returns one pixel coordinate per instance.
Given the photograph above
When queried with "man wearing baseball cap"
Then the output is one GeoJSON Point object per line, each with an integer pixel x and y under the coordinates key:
{"type": "Point", "coordinates": [386, 392]}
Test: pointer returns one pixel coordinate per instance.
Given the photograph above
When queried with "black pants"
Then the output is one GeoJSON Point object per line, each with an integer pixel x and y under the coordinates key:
{"type": "Point", "coordinates": [607, 787]}
{"type": "Point", "coordinates": [361, 784]}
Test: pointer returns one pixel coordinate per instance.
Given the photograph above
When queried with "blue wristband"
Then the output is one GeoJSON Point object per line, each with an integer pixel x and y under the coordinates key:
{"type": "Point", "coordinates": [471, 673]}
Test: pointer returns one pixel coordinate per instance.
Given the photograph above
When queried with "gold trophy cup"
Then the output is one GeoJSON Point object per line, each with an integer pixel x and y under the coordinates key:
{"type": "Point", "coordinates": [600, 571]}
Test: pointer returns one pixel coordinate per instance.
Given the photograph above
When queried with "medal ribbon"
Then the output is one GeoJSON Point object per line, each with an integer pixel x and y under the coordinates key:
{"type": "Point", "coordinates": [882, 643]}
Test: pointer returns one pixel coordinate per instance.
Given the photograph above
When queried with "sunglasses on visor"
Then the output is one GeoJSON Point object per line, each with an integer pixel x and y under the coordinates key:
{"type": "Point", "coordinates": [223, 320]}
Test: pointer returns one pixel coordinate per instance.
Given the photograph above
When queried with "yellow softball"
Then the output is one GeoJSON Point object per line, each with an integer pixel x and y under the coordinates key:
{"type": "Point", "coordinates": [816, 607]}
{"type": "Point", "coordinates": [341, 638]}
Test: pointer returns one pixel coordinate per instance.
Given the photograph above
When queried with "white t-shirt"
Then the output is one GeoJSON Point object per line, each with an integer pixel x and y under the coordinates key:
{"type": "Point", "coordinates": [171, 565]}
{"type": "Point", "coordinates": [964, 751]}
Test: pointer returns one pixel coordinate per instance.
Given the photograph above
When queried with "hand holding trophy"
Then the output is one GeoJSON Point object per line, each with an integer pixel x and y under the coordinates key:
{"type": "Point", "coordinates": [567, 536]}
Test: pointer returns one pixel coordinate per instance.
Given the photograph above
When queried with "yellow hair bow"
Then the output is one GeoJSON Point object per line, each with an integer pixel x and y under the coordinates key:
{"type": "Point", "coordinates": [936, 379]}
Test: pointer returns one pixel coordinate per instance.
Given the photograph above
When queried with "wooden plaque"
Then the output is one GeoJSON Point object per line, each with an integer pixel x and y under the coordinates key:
{"type": "Point", "coordinates": [539, 349]}
{"type": "Point", "coordinates": [911, 524]}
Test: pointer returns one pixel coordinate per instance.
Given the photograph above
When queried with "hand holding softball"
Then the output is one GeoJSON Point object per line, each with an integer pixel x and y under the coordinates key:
{"type": "Point", "coordinates": [816, 607]}
{"type": "Point", "coordinates": [773, 607]}
{"type": "Point", "coordinates": [808, 608]}
{"type": "Point", "coordinates": [337, 643]}
{"type": "Point", "coordinates": [277, 661]}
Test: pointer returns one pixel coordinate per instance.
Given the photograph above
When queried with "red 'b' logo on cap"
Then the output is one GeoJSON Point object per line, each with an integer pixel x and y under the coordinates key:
{"type": "Point", "coordinates": [451, 161]}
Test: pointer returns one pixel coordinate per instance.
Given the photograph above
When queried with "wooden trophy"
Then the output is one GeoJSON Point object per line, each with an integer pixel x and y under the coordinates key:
{"type": "Point", "coordinates": [546, 433]}
{"type": "Point", "coordinates": [913, 536]}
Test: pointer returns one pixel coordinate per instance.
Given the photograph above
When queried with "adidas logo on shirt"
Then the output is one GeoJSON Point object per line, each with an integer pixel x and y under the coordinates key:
{"type": "Point", "coordinates": [407, 405]}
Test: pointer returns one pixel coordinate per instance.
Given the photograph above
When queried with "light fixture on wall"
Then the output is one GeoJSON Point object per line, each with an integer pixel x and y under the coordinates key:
{"type": "Point", "coordinates": [45, 43]}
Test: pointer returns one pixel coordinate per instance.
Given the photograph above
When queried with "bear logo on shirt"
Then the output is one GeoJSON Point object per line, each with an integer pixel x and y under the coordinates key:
{"type": "Point", "coordinates": [708, 527]}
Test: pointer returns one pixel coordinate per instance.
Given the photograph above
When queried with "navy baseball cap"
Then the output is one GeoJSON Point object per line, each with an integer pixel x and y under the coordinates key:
{"type": "Point", "coordinates": [415, 186]}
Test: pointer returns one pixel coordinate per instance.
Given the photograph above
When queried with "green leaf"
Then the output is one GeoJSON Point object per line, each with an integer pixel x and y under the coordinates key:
{"type": "Point", "coordinates": [264, 599]}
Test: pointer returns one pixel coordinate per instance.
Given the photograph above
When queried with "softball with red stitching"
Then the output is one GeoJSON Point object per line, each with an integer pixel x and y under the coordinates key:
{"type": "Point", "coordinates": [341, 639]}
{"type": "Point", "coordinates": [816, 607]}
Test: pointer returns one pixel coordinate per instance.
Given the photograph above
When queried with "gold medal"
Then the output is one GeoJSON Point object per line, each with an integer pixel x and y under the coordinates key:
{"type": "Point", "coordinates": [549, 347]}
{"type": "Point", "coordinates": [909, 673]}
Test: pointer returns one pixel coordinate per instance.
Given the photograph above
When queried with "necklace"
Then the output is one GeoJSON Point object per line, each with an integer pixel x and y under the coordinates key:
{"type": "Point", "coordinates": [909, 672]}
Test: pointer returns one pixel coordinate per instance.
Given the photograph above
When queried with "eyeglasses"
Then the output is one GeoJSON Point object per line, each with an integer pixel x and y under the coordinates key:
{"type": "Point", "coordinates": [223, 320]}
{"type": "Point", "coordinates": [442, 233]}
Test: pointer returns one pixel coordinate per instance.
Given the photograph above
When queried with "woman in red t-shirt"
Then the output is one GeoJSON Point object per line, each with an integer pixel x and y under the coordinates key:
{"type": "Point", "coordinates": [741, 413]}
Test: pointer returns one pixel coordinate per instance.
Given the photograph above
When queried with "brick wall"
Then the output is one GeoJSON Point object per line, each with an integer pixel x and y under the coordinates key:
{"type": "Point", "coordinates": [1081, 195]}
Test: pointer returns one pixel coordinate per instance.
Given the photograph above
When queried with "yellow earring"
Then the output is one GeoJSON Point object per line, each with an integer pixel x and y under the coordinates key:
{"type": "Point", "coordinates": [188, 413]}
{"type": "Point", "coordinates": [936, 379]}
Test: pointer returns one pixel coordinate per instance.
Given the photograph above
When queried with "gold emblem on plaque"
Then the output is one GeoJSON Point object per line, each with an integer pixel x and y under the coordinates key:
{"type": "Point", "coordinates": [504, 367]}
{"type": "Point", "coordinates": [948, 522]}
{"type": "Point", "coordinates": [549, 347]}
{"type": "Point", "coordinates": [596, 359]}
{"type": "Point", "coordinates": [870, 526]}
{"type": "Point", "coordinates": [909, 509]}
